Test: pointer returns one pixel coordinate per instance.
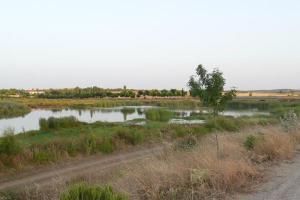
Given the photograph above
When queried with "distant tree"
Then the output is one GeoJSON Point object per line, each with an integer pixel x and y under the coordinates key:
{"type": "Point", "coordinates": [209, 87]}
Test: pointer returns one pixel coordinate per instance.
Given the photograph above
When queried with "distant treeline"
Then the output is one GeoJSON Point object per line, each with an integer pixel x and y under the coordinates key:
{"type": "Point", "coordinates": [92, 92]}
{"type": "Point", "coordinates": [13, 92]}
{"type": "Point", "coordinates": [95, 92]}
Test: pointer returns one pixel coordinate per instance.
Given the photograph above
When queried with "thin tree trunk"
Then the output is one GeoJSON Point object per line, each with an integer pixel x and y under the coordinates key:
{"type": "Point", "coordinates": [218, 147]}
{"type": "Point", "coordinates": [216, 136]}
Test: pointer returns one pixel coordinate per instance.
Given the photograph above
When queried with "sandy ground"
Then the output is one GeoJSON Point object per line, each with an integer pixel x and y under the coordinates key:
{"type": "Point", "coordinates": [282, 183]}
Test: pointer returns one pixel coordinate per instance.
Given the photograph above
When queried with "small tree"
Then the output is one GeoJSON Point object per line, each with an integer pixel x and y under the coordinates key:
{"type": "Point", "coordinates": [209, 87]}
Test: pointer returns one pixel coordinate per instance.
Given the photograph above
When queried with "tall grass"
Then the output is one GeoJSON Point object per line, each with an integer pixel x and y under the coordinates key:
{"type": "Point", "coordinates": [10, 150]}
{"type": "Point", "coordinates": [12, 109]}
{"type": "Point", "coordinates": [55, 123]}
{"type": "Point", "coordinates": [9, 144]}
{"type": "Point", "coordinates": [158, 114]}
{"type": "Point", "coordinates": [105, 103]}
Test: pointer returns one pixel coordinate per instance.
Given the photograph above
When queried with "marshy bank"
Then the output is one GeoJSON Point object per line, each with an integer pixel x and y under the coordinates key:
{"type": "Point", "coordinates": [9, 109]}
{"type": "Point", "coordinates": [67, 138]}
{"type": "Point", "coordinates": [125, 114]}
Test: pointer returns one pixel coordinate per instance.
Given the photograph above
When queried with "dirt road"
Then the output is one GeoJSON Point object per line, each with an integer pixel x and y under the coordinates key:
{"type": "Point", "coordinates": [71, 169]}
{"type": "Point", "coordinates": [283, 183]}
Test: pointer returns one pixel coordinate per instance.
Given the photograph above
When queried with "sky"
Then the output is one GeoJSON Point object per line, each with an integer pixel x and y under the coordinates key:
{"type": "Point", "coordinates": [148, 44]}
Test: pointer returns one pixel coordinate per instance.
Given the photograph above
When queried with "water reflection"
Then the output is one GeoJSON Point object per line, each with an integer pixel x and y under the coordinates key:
{"type": "Point", "coordinates": [118, 114]}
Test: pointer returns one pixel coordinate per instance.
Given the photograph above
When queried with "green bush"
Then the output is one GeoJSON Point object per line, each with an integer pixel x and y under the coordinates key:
{"type": "Point", "coordinates": [9, 145]}
{"type": "Point", "coordinates": [84, 191]}
{"type": "Point", "coordinates": [42, 157]}
{"type": "Point", "coordinates": [155, 114]}
{"type": "Point", "coordinates": [9, 195]}
{"type": "Point", "coordinates": [107, 145]}
{"type": "Point", "coordinates": [130, 137]}
{"type": "Point", "coordinates": [250, 142]}
{"type": "Point", "coordinates": [55, 123]}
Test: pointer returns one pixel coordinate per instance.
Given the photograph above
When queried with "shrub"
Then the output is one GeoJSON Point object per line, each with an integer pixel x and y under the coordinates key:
{"type": "Point", "coordinates": [84, 191]}
{"type": "Point", "coordinates": [250, 142]}
{"type": "Point", "coordinates": [8, 195]}
{"type": "Point", "coordinates": [159, 114]}
{"type": "Point", "coordinates": [130, 137]}
{"type": "Point", "coordinates": [289, 121]}
{"type": "Point", "coordinates": [43, 157]}
{"type": "Point", "coordinates": [9, 145]}
{"type": "Point", "coordinates": [187, 143]}
{"type": "Point", "coordinates": [107, 145]}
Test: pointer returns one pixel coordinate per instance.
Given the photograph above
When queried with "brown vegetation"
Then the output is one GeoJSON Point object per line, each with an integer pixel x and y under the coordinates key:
{"type": "Point", "coordinates": [197, 172]}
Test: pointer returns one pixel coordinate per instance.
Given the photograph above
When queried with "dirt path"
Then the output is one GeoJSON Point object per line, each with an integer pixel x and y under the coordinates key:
{"type": "Point", "coordinates": [283, 183]}
{"type": "Point", "coordinates": [72, 169]}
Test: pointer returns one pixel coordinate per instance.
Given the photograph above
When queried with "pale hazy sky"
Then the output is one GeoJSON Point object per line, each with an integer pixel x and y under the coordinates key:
{"type": "Point", "coordinates": [148, 43]}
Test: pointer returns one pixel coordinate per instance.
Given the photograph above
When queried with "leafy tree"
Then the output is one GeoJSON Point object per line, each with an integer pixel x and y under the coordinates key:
{"type": "Point", "coordinates": [209, 87]}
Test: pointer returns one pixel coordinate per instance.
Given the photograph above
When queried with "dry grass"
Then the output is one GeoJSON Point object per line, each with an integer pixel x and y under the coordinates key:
{"type": "Point", "coordinates": [197, 173]}
{"type": "Point", "coordinates": [200, 174]}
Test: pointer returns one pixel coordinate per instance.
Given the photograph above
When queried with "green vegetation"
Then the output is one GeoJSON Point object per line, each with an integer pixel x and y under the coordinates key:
{"type": "Point", "coordinates": [9, 145]}
{"type": "Point", "coordinates": [68, 138]}
{"type": "Point", "coordinates": [83, 191]}
{"type": "Point", "coordinates": [13, 93]}
{"type": "Point", "coordinates": [158, 114]}
{"type": "Point", "coordinates": [209, 87]}
{"type": "Point", "coordinates": [55, 123]}
{"type": "Point", "coordinates": [250, 142]}
{"type": "Point", "coordinates": [12, 109]}
{"type": "Point", "coordinates": [276, 107]}
{"type": "Point", "coordinates": [106, 103]}
{"type": "Point", "coordinates": [96, 92]}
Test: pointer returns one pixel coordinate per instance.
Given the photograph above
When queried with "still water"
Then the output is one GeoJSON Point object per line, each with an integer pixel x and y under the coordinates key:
{"type": "Point", "coordinates": [117, 114]}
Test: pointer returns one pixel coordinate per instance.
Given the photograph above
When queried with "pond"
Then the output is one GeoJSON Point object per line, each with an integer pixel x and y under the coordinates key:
{"type": "Point", "coordinates": [117, 114]}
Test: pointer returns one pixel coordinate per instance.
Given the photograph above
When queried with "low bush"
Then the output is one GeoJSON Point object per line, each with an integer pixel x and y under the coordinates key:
{"type": "Point", "coordinates": [187, 142]}
{"type": "Point", "coordinates": [130, 137]}
{"type": "Point", "coordinates": [289, 121]}
{"type": "Point", "coordinates": [250, 142]}
{"type": "Point", "coordinates": [43, 157]}
{"type": "Point", "coordinates": [83, 191]}
{"type": "Point", "coordinates": [107, 145]}
{"type": "Point", "coordinates": [9, 145]}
